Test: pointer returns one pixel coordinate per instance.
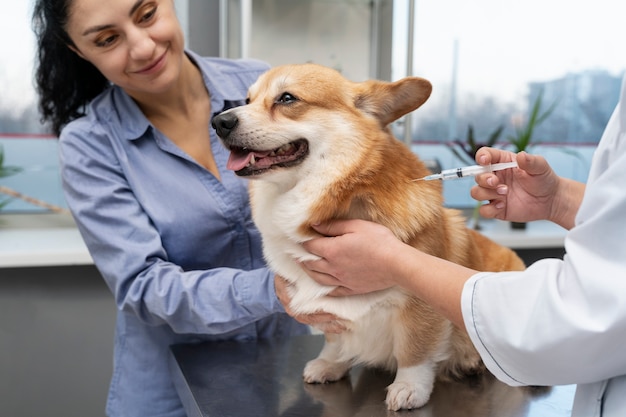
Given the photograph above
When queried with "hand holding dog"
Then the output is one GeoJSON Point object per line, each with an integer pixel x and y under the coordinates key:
{"type": "Point", "coordinates": [356, 256]}
{"type": "Point", "coordinates": [327, 322]}
{"type": "Point", "coordinates": [531, 192]}
{"type": "Point", "coordinates": [360, 257]}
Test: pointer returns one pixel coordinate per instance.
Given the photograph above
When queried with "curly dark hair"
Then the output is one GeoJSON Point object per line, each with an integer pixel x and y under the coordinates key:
{"type": "Point", "coordinates": [66, 83]}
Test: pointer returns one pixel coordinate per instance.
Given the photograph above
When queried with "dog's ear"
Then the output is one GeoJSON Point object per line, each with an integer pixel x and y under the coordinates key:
{"type": "Point", "coordinates": [388, 101]}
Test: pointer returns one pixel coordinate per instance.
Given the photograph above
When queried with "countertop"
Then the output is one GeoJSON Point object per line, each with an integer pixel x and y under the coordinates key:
{"type": "Point", "coordinates": [28, 240]}
{"type": "Point", "coordinates": [537, 234]}
{"type": "Point", "coordinates": [32, 240]}
{"type": "Point", "coordinates": [264, 379]}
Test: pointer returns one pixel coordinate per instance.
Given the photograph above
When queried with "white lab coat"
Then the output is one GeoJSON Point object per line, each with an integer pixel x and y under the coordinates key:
{"type": "Point", "coordinates": [564, 322]}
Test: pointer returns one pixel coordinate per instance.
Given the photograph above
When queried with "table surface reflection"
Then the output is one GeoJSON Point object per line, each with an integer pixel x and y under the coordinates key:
{"type": "Point", "coordinates": [264, 378]}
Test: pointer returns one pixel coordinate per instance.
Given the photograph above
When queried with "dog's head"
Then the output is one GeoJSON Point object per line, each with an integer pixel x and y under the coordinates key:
{"type": "Point", "coordinates": [297, 113]}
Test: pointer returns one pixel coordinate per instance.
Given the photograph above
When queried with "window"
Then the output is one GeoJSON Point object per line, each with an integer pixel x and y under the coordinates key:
{"type": "Point", "coordinates": [24, 141]}
{"type": "Point", "coordinates": [487, 59]}
{"type": "Point", "coordinates": [17, 108]}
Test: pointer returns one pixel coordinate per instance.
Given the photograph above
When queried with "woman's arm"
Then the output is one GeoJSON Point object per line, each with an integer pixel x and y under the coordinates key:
{"type": "Point", "coordinates": [196, 295]}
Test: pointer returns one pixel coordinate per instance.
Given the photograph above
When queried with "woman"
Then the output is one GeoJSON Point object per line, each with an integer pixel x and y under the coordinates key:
{"type": "Point", "coordinates": [558, 322]}
{"type": "Point", "coordinates": [168, 226]}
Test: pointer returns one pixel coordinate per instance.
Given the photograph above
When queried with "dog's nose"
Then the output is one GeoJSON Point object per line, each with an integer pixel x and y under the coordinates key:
{"type": "Point", "coordinates": [224, 123]}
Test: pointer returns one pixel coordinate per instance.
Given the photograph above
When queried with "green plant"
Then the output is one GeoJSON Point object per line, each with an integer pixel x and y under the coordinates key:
{"type": "Point", "coordinates": [466, 152]}
{"type": "Point", "coordinates": [523, 137]}
{"type": "Point", "coordinates": [471, 146]}
{"type": "Point", "coordinates": [6, 171]}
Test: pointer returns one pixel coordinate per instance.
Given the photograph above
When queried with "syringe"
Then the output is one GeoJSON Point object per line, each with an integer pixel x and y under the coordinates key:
{"type": "Point", "coordinates": [469, 171]}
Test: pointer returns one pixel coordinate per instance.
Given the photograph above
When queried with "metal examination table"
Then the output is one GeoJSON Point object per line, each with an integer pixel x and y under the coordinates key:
{"type": "Point", "coordinates": [264, 379]}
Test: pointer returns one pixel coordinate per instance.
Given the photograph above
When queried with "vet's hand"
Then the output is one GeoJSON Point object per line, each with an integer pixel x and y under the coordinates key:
{"type": "Point", "coordinates": [523, 194]}
{"type": "Point", "coordinates": [356, 256]}
{"type": "Point", "coordinates": [326, 322]}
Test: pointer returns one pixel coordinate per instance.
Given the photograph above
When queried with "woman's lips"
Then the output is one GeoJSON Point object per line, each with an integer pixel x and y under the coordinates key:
{"type": "Point", "coordinates": [153, 67]}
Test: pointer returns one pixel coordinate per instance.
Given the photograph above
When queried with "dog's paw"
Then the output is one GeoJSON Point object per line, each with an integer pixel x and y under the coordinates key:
{"type": "Point", "coordinates": [406, 396]}
{"type": "Point", "coordinates": [319, 371]}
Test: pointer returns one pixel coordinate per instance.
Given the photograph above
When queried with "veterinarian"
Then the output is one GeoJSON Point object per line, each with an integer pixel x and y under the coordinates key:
{"type": "Point", "coordinates": [168, 226]}
{"type": "Point", "coordinates": [558, 322]}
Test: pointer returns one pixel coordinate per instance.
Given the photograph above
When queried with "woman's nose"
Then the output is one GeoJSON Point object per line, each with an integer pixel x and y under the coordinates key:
{"type": "Point", "coordinates": [141, 45]}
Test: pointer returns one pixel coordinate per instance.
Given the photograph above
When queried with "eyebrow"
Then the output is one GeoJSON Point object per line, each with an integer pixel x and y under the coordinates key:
{"type": "Point", "coordinates": [104, 27]}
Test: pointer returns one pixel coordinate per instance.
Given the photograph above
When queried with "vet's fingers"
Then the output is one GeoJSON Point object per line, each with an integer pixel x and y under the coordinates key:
{"type": "Point", "coordinates": [495, 209]}
{"type": "Point", "coordinates": [342, 292]}
{"type": "Point", "coordinates": [318, 271]}
{"type": "Point", "coordinates": [533, 164]}
{"type": "Point", "coordinates": [336, 227]}
{"type": "Point", "coordinates": [487, 155]}
{"type": "Point", "coordinates": [315, 246]}
{"type": "Point", "coordinates": [488, 180]}
{"type": "Point", "coordinates": [495, 198]}
{"type": "Point", "coordinates": [488, 193]}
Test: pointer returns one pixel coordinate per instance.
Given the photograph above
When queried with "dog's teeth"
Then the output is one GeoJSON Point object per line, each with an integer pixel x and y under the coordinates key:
{"type": "Point", "coordinates": [252, 160]}
{"type": "Point", "coordinates": [284, 149]}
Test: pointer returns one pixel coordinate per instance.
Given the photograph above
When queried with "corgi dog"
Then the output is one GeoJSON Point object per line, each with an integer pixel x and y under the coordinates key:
{"type": "Point", "coordinates": [318, 147]}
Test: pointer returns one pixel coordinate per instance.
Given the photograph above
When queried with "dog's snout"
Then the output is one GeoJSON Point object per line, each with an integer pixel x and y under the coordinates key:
{"type": "Point", "coordinates": [224, 123]}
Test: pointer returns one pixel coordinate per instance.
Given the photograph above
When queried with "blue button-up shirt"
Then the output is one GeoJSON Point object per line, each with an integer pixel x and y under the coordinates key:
{"type": "Point", "coordinates": [176, 246]}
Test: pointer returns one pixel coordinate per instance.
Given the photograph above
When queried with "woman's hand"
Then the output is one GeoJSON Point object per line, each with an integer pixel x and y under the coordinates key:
{"type": "Point", "coordinates": [328, 323]}
{"type": "Point", "coordinates": [357, 256]}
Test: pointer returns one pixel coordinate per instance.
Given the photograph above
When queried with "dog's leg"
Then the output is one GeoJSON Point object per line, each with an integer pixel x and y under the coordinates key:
{"type": "Point", "coordinates": [328, 366]}
{"type": "Point", "coordinates": [420, 339]}
{"type": "Point", "coordinates": [412, 386]}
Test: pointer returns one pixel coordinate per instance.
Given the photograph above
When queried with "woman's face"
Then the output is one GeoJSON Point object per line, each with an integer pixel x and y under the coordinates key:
{"type": "Point", "coordinates": [136, 44]}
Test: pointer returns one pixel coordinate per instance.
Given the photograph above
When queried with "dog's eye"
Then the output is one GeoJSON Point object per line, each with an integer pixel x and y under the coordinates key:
{"type": "Point", "coordinates": [247, 100]}
{"type": "Point", "coordinates": [286, 98]}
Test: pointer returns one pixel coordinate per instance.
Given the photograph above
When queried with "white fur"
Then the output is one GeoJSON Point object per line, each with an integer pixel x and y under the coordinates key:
{"type": "Point", "coordinates": [412, 386]}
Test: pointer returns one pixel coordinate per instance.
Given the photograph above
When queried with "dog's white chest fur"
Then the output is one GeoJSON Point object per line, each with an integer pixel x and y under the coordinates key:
{"type": "Point", "coordinates": [279, 216]}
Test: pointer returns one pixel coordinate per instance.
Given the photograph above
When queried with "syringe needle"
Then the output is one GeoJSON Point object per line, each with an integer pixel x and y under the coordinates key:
{"type": "Point", "coordinates": [468, 171]}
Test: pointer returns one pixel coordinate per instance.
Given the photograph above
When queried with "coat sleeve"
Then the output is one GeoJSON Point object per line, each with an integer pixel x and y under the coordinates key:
{"type": "Point", "coordinates": [560, 321]}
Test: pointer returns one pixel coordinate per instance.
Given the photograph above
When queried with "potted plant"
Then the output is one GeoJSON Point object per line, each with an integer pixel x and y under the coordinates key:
{"type": "Point", "coordinates": [523, 137]}
{"type": "Point", "coordinates": [466, 152]}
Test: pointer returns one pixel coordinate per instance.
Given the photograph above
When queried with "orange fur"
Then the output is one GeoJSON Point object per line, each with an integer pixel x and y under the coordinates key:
{"type": "Point", "coordinates": [355, 168]}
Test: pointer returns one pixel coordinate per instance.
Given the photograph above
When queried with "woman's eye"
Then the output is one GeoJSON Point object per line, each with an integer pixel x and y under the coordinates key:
{"type": "Point", "coordinates": [286, 98]}
{"type": "Point", "coordinates": [106, 41]}
{"type": "Point", "coordinates": [148, 15]}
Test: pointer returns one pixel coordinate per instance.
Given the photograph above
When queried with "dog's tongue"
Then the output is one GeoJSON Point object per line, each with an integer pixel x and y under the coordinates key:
{"type": "Point", "coordinates": [240, 159]}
